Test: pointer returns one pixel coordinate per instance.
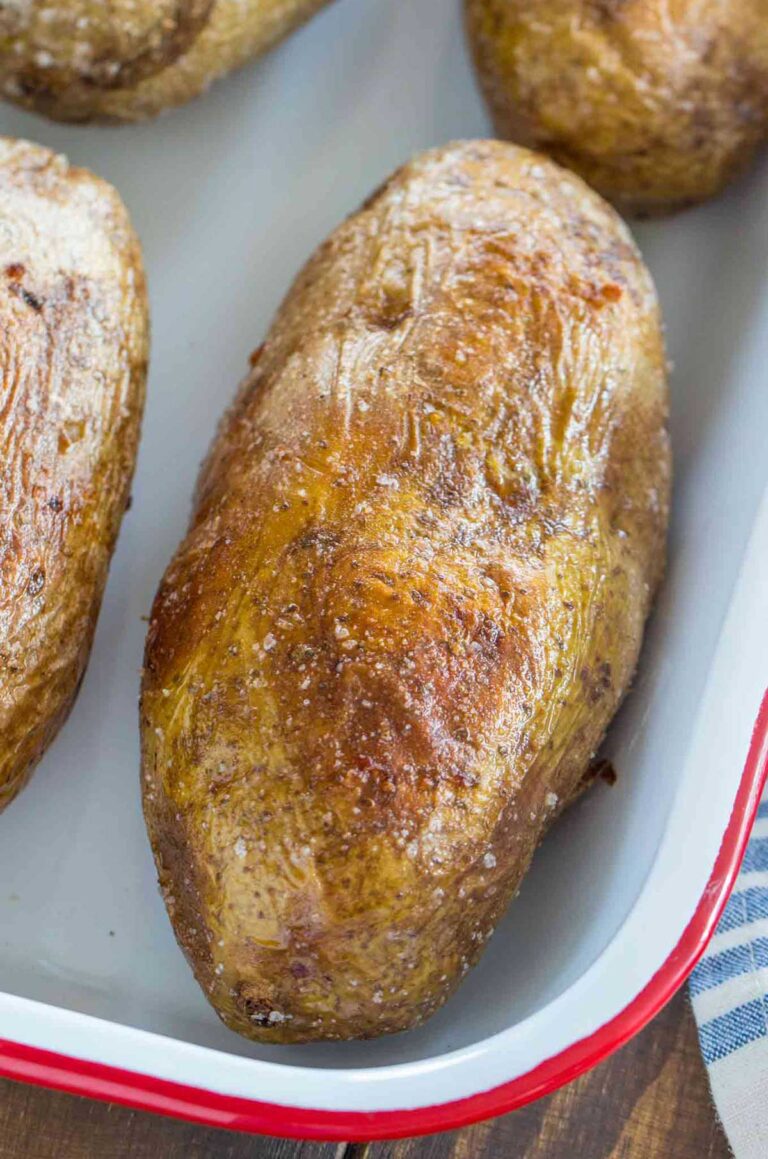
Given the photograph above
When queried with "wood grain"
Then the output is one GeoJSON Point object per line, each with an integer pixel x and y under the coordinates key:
{"type": "Point", "coordinates": [650, 1101]}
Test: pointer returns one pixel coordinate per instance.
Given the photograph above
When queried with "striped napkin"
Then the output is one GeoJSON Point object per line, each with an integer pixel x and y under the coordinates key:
{"type": "Point", "coordinates": [729, 991]}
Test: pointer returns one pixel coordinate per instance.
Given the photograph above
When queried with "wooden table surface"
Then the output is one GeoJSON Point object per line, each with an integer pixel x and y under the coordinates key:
{"type": "Point", "coordinates": [650, 1101]}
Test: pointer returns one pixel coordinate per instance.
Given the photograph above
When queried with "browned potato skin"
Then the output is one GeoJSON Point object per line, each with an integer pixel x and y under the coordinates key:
{"type": "Point", "coordinates": [73, 349]}
{"type": "Point", "coordinates": [657, 103]}
{"type": "Point", "coordinates": [412, 595]}
{"type": "Point", "coordinates": [124, 60]}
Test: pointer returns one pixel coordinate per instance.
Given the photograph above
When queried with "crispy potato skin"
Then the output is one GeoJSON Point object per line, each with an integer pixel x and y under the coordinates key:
{"type": "Point", "coordinates": [656, 103]}
{"type": "Point", "coordinates": [124, 60]}
{"type": "Point", "coordinates": [73, 350]}
{"type": "Point", "coordinates": [412, 595]}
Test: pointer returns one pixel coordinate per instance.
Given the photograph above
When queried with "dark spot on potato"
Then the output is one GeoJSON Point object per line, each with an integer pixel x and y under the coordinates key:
{"type": "Point", "coordinates": [27, 297]}
{"type": "Point", "coordinates": [36, 582]}
{"type": "Point", "coordinates": [597, 680]}
{"type": "Point", "coordinates": [604, 769]}
{"type": "Point", "coordinates": [319, 538]}
{"type": "Point", "coordinates": [611, 292]}
{"type": "Point", "coordinates": [257, 1010]}
{"type": "Point", "coordinates": [607, 10]}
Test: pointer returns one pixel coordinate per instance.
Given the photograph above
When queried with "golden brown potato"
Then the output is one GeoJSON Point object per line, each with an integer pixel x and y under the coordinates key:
{"type": "Point", "coordinates": [656, 103]}
{"type": "Point", "coordinates": [122, 60]}
{"type": "Point", "coordinates": [413, 592]}
{"type": "Point", "coordinates": [73, 349]}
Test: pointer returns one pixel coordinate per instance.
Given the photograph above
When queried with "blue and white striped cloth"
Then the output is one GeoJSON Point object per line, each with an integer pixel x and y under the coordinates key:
{"type": "Point", "coordinates": [729, 991]}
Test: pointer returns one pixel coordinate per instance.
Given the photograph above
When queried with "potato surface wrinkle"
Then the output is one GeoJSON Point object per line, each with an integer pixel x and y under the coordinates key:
{"type": "Point", "coordinates": [411, 597]}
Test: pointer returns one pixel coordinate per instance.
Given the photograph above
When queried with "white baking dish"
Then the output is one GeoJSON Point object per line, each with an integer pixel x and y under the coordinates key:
{"type": "Point", "coordinates": [230, 195]}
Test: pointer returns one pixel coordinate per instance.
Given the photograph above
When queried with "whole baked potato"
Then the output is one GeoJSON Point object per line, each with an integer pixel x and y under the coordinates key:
{"type": "Point", "coordinates": [122, 60]}
{"type": "Point", "coordinates": [656, 103]}
{"type": "Point", "coordinates": [73, 350]}
{"type": "Point", "coordinates": [413, 592]}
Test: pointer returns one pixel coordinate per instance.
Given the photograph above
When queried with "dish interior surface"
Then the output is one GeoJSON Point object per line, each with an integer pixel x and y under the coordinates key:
{"type": "Point", "coordinates": [230, 195]}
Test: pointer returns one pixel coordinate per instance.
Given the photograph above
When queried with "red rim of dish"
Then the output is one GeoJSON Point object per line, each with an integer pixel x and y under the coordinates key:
{"type": "Point", "coordinates": [144, 1092]}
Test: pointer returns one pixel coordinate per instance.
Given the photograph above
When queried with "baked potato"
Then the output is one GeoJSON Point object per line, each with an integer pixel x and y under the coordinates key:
{"type": "Point", "coordinates": [73, 350]}
{"type": "Point", "coordinates": [123, 60]}
{"type": "Point", "coordinates": [656, 103]}
{"type": "Point", "coordinates": [423, 550]}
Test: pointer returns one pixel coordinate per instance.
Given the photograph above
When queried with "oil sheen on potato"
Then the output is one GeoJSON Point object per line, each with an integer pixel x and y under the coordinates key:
{"type": "Point", "coordinates": [73, 354]}
{"type": "Point", "coordinates": [412, 595]}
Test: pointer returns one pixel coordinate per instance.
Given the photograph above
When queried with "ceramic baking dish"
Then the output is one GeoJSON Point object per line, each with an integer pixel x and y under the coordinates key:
{"type": "Point", "coordinates": [230, 195]}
